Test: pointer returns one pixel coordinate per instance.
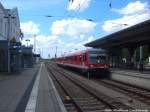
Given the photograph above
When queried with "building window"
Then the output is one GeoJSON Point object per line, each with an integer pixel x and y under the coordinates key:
{"type": "Point", "coordinates": [6, 32]}
{"type": "Point", "coordinates": [1, 26]}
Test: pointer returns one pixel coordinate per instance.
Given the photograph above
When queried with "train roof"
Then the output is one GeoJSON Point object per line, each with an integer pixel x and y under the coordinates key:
{"type": "Point", "coordinates": [82, 51]}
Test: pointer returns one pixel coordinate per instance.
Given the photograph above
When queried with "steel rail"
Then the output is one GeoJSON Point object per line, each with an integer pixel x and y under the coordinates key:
{"type": "Point", "coordinates": [66, 92]}
{"type": "Point", "coordinates": [113, 104]}
{"type": "Point", "coordinates": [79, 107]}
{"type": "Point", "coordinates": [132, 91]}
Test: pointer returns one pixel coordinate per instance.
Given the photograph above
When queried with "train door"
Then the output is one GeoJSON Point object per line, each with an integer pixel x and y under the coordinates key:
{"type": "Point", "coordinates": [83, 59]}
{"type": "Point", "coordinates": [2, 60]}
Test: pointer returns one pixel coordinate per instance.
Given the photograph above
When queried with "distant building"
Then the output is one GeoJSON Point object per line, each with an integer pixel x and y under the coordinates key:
{"type": "Point", "coordinates": [37, 58]}
{"type": "Point", "coordinates": [13, 56]}
{"type": "Point", "coordinates": [9, 24]}
{"type": "Point", "coordinates": [10, 36]}
{"type": "Point", "coordinates": [3, 23]}
{"type": "Point", "coordinates": [27, 56]}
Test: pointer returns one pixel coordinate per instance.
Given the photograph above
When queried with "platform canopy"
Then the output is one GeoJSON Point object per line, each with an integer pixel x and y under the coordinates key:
{"type": "Point", "coordinates": [136, 35]}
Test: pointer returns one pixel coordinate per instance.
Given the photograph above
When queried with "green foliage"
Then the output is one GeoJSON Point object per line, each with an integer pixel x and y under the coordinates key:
{"type": "Point", "coordinates": [13, 40]}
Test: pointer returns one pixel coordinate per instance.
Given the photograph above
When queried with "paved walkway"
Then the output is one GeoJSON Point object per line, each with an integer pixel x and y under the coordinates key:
{"type": "Point", "coordinates": [30, 91]}
{"type": "Point", "coordinates": [132, 77]}
{"type": "Point", "coordinates": [48, 99]}
{"type": "Point", "coordinates": [132, 70]}
{"type": "Point", "coordinates": [4, 76]}
{"type": "Point", "coordinates": [14, 90]}
{"type": "Point", "coordinates": [134, 73]}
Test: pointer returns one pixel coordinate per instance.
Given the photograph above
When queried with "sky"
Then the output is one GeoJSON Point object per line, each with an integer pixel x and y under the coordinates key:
{"type": "Point", "coordinates": [66, 25]}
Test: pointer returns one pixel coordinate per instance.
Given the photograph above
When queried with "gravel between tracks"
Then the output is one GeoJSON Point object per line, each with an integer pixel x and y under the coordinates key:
{"type": "Point", "coordinates": [81, 80]}
{"type": "Point", "coordinates": [111, 93]}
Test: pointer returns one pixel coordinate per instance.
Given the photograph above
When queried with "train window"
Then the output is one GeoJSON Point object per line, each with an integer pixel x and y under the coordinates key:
{"type": "Point", "coordinates": [83, 57]}
{"type": "Point", "coordinates": [80, 58]}
{"type": "Point", "coordinates": [96, 57]}
{"type": "Point", "coordinates": [70, 58]}
{"type": "Point", "coordinates": [67, 58]}
{"type": "Point", "coordinates": [101, 59]}
{"type": "Point", "coordinates": [75, 58]}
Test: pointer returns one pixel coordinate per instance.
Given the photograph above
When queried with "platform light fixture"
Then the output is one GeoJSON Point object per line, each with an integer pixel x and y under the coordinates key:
{"type": "Point", "coordinates": [27, 40]}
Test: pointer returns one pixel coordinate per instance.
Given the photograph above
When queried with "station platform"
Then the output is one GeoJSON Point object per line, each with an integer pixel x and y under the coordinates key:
{"type": "Point", "coordinates": [48, 99]}
{"type": "Point", "coordinates": [136, 73]}
{"type": "Point", "coordinates": [29, 91]}
{"type": "Point", "coordinates": [133, 77]}
{"type": "Point", "coordinates": [14, 89]}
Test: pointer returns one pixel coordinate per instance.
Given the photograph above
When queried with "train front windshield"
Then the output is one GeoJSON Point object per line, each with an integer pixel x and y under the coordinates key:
{"type": "Point", "coordinates": [96, 57]}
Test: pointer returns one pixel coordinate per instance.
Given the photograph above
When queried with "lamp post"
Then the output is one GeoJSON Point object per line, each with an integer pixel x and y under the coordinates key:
{"type": "Point", "coordinates": [27, 40]}
{"type": "Point", "coordinates": [49, 56]}
{"type": "Point", "coordinates": [141, 59]}
{"type": "Point", "coordinates": [34, 43]}
{"type": "Point", "coordinates": [56, 53]}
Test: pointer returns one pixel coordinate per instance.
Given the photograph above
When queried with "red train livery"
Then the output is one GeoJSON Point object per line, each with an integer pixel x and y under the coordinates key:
{"type": "Point", "coordinates": [94, 60]}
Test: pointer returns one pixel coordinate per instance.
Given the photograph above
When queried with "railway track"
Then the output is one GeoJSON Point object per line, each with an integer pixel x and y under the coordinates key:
{"type": "Point", "coordinates": [132, 91]}
{"type": "Point", "coordinates": [80, 97]}
{"type": "Point", "coordinates": [69, 104]}
{"type": "Point", "coordinates": [134, 74]}
{"type": "Point", "coordinates": [78, 100]}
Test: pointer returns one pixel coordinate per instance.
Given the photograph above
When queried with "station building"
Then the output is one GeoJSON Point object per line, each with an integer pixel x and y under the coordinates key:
{"type": "Point", "coordinates": [13, 56]}
{"type": "Point", "coordinates": [10, 34]}
{"type": "Point", "coordinates": [37, 58]}
{"type": "Point", "coordinates": [3, 54]}
{"type": "Point", "coordinates": [27, 56]}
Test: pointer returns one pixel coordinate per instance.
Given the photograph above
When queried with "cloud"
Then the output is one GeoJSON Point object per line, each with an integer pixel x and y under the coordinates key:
{"type": "Point", "coordinates": [79, 29]}
{"type": "Point", "coordinates": [133, 7]}
{"type": "Point", "coordinates": [133, 13]}
{"type": "Point", "coordinates": [89, 39]}
{"type": "Point", "coordinates": [30, 27]}
{"type": "Point", "coordinates": [72, 27]}
{"type": "Point", "coordinates": [79, 5]}
{"type": "Point", "coordinates": [124, 22]}
{"type": "Point", "coordinates": [47, 44]}
{"type": "Point", "coordinates": [43, 41]}
{"type": "Point", "coordinates": [79, 45]}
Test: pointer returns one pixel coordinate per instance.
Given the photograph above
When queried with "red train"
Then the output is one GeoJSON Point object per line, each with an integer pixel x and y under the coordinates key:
{"type": "Point", "coordinates": [90, 60]}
